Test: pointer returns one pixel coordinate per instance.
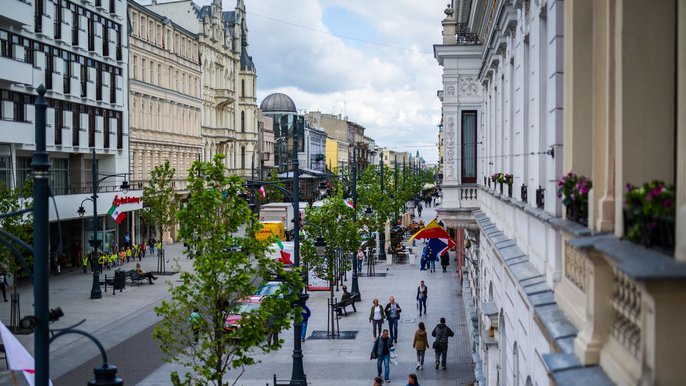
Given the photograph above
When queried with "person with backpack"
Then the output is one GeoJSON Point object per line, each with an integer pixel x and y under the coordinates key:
{"type": "Point", "coordinates": [441, 332]}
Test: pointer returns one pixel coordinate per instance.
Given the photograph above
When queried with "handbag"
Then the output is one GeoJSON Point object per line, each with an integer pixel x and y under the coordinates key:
{"type": "Point", "coordinates": [435, 345]}
{"type": "Point", "coordinates": [394, 356]}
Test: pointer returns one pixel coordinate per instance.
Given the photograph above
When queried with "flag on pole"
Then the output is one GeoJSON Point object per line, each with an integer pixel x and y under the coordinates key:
{"type": "Point", "coordinates": [349, 203]}
{"type": "Point", "coordinates": [262, 192]}
{"type": "Point", "coordinates": [18, 359]}
{"type": "Point", "coordinates": [116, 214]}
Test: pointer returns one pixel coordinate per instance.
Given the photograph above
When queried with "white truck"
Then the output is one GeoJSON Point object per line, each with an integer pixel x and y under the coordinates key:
{"type": "Point", "coordinates": [281, 211]}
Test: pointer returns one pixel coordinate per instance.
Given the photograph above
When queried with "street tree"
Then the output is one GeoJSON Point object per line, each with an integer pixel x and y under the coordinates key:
{"type": "Point", "coordinates": [332, 221]}
{"type": "Point", "coordinates": [160, 200]}
{"type": "Point", "coordinates": [226, 270]}
{"type": "Point", "coordinates": [20, 226]}
{"type": "Point", "coordinates": [272, 194]}
{"type": "Point", "coordinates": [369, 193]}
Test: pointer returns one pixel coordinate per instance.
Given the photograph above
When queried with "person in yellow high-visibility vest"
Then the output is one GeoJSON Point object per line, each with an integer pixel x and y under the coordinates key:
{"type": "Point", "coordinates": [101, 261]}
{"type": "Point", "coordinates": [113, 259]}
{"type": "Point", "coordinates": [128, 254]}
{"type": "Point", "coordinates": [84, 262]}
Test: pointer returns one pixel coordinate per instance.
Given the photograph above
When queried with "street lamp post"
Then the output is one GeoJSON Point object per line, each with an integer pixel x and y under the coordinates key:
{"type": "Point", "coordinates": [298, 373]}
{"type": "Point", "coordinates": [382, 234]}
{"type": "Point", "coordinates": [355, 285]}
{"type": "Point", "coordinates": [96, 293]}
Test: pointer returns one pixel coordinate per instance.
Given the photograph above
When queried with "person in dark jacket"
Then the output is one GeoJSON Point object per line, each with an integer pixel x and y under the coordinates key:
{"type": "Point", "coordinates": [422, 295]}
{"type": "Point", "coordinates": [441, 332]}
{"type": "Point", "coordinates": [445, 260]}
{"type": "Point", "coordinates": [392, 312]}
{"type": "Point", "coordinates": [306, 317]}
{"type": "Point", "coordinates": [381, 351]}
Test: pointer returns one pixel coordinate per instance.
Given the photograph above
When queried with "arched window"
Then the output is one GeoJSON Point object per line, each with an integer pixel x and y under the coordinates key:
{"type": "Point", "coordinates": [515, 365]}
{"type": "Point", "coordinates": [243, 87]}
{"type": "Point", "coordinates": [528, 381]}
{"type": "Point", "coordinates": [242, 121]}
{"type": "Point", "coordinates": [490, 291]}
{"type": "Point", "coordinates": [242, 157]}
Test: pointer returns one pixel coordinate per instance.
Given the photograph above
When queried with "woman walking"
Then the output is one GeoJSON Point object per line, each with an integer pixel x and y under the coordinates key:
{"type": "Point", "coordinates": [420, 343]}
{"type": "Point", "coordinates": [376, 317]}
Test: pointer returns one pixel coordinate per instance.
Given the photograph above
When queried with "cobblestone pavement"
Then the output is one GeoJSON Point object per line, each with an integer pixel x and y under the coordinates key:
{"type": "Point", "coordinates": [123, 323]}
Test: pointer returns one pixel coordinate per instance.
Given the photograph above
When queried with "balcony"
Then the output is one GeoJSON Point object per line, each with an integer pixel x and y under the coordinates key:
{"type": "Point", "coordinates": [265, 156]}
{"type": "Point", "coordinates": [458, 204]}
{"type": "Point", "coordinates": [224, 96]}
{"type": "Point", "coordinates": [15, 71]}
{"type": "Point", "coordinates": [18, 12]}
{"type": "Point", "coordinates": [627, 301]}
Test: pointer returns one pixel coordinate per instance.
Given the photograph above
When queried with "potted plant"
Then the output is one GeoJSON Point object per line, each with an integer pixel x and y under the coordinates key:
{"type": "Point", "coordinates": [508, 179]}
{"type": "Point", "coordinates": [649, 213]}
{"type": "Point", "coordinates": [500, 177]}
{"type": "Point", "coordinates": [494, 179]}
{"type": "Point", "coordinates": [573, 190]}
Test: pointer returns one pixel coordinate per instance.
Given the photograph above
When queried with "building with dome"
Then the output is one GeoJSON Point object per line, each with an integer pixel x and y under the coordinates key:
{"type": "Point", "coordinates": [281, 109]}
{"type": "Point", "coordinates": [228, 81]}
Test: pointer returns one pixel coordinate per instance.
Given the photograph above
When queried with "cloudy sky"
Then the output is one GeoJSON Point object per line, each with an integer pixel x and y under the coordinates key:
{"type": "Point", "coordinates": [371, 60]}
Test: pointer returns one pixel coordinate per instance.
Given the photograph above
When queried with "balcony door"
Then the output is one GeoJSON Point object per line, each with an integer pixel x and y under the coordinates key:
{"type": "Point", "coordinates": [468, 153]}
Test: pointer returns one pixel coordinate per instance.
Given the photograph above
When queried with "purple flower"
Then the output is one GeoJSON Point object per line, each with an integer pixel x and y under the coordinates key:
{"type": "Point", "coordinates": [656, 191]}
{"type": "Point", "coordinates": [667, 203]}
{"type": "Point", "coordinates": [628, 187]}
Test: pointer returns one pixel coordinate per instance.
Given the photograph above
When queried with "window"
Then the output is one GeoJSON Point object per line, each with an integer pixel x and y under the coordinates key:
{"type": "Point", "coordinates": [515, 365]}
{"type": "Point", "coordinates": [75, 28]}
{"type": "Point", "coordinates": [242, 157]}
{"type": "Point", "coordinates": [91, 32]}
{"type": "Point", "coordinates": [38, 16]}
{"type": "Point", "coordinates": [106, 129]}
{"type": "Point", "coordinates": [49, 70]}
{"type": "Point", "coordinates": [58, 21]}
{"type": "Point", "coordinates": [76, 125]}
{"type": "Point", "coordinates": [66, 73]}
{"type": "Point", "coordinates": [242, 121]}
{"type": "Point", "coordinates": [5, 171]}
{"type": "Point", "coordinates": [23, 171]}
{"type": "Point", "coordinates": [468, 146]}
{"type": "Point", "coordinates": [242, 87]}
{"type": "Point", "coordinates": [59, 121]}
{"type": "Point", "coordinates": [91, 126]}
{"type": "Point", "coordinates": [105, 41]}
{"type": "Point", "coordinates": [143, 70]}
{"type": "Point", "coordinates": [59, 176]}
{"type": "Point", "coordinates": [135, 67]}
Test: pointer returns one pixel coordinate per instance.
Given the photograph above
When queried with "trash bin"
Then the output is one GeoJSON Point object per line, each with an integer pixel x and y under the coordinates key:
{"type": "Point", "coordinates": [119, 280]}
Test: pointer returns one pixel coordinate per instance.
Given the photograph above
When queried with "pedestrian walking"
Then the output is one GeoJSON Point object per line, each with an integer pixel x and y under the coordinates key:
{"type": "Point", "coordinates": [151, 244]}
{"type": "Point", "coordinates": [376, 317]}
{"type": "Point", "coordinates": [381, 351]}
{"type": "Point", "coordinates": [127, 240]}
{"type": "Point", "coordinates": [432, 260]}
{"type": "Point", "coordinates": [3, 284]}
{"type": "Point", "coordinates": [419, 210]}
{"type": "Point", "coordinates": [412, 380]}
{"type": "Point", "coordinates": [84, 263]}
{"type": "Point", "coordinates": [422, 295]}
{"type": "Point", "coordinates": [393, 314]}
{"type": "Point", "coordinates": [143, 247]}
{"type": "Point", "coordinates": [420, 343]}
{"type": "Point", "coordinates": [360, 259]}
{"type": "Point", "coordinates": [445, 260]}
{"type": "Point", "coordinates": [306, 316]}
{"type": "Point", "coordinates": [441, 332]}
{"type": "Point", "coordinates": [195, 320]}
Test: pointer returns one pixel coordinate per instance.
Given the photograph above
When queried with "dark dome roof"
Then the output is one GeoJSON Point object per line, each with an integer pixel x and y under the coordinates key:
{"type": "Point", "coordinates": [278, 103]}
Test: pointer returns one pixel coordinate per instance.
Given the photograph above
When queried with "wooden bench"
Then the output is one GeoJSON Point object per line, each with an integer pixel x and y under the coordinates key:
{"type": "Point", "coordinates": [341, 306]}
{"type": "Point", "coordinates": [134, 277]}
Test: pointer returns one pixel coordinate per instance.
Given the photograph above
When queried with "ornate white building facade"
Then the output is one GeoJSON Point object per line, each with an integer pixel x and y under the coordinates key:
{"type": "Point", "coordinates": [164, 98]}
{"type": "Point", "coordinates": [228, 80]}
{"type": "Point", "coordinates": [554, 297]}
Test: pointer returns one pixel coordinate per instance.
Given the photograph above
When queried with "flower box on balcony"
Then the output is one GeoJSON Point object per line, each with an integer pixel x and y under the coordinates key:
{"type": "Point", "coordinates": [573, 190]}
{"type": "Point", "coordinates": [649, 215]}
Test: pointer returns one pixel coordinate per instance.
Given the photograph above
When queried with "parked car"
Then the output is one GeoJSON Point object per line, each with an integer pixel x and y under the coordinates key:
{"type": "Point", "coordinates": [250, 304]}
{"type": "Point", "coordinates": [269, 288]}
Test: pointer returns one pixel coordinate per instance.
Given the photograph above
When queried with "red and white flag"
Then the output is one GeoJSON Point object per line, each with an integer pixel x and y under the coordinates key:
{"type": "Point", "coordinates": [349, 203]}
{"type": "Point", "coordinates": [262, 192]}
{"type": "Point", "coordinates": [18, 359]}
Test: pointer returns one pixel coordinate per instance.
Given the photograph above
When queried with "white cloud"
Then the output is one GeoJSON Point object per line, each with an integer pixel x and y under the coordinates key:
{"type": "Point", "coordinates": [389, 90]}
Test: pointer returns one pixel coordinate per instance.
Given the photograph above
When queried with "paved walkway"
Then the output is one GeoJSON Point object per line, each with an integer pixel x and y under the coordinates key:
{"type": "Point", "coordinates": [121, 319]}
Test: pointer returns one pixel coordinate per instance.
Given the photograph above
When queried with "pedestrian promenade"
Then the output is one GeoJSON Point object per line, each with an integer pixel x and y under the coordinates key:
{"type": "Point", "coordinates": [123, 322]}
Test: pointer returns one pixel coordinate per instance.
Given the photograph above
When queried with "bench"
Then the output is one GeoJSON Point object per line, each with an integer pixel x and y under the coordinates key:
{"type": "Point", "coordinates": [341, 306]}
{"type": "Point", "coordinates": [134, 277]}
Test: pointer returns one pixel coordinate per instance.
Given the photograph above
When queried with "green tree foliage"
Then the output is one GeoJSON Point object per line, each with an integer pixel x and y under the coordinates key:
{"type": "Point", "coordinates": [226, 269]}
{"type": "Point", "coordinates": [160, 200]}
{"type": "Point", "coordinates": [369, 193]}
{"type": "Point", "coordinates": [20, 226]}
{"type": "Point", "coordinates": [272, 194]}
{"type": "Point", "coordinates": [334, 222]}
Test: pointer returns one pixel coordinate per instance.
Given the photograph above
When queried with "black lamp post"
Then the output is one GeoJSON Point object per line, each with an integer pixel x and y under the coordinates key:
{"type": "Point", "coordinates": [370, 261]}
{"type": "Point", "coordinates": [96, 293]}
{"type": "Point", "coordinates": [298, 374]}
{"type": "Point", "coordinates": [355, 286]}
{"type": "Point", "coordinates": [382, 233]}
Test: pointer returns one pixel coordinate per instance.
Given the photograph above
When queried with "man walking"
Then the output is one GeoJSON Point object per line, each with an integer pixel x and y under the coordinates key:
{"type": "Point", "coordinates": [381, 351]}
{"type": "Point", "coordinates": [422, 294]}
{"type": "Point", "coordinates": [441, 332]}
{"type": "Point", "coordinates": [393, 314]}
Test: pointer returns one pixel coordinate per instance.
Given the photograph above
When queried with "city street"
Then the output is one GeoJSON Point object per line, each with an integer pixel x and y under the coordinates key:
{"type": "Point", "coordinates": [124, 323]}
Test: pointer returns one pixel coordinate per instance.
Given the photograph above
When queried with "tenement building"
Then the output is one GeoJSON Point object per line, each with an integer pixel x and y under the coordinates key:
{"type": "Point", "coordinates": [165, 106]}
{"type": "Point", "coordinates": [564, 175]}
{"type": "Point", "coordinates": [228, 79]}
{"type": "Point", "coordinates": [78, 51]}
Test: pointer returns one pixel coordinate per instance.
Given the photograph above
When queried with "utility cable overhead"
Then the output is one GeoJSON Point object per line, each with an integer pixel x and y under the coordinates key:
{"type": "Point", "coordinates": [337, 35]}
